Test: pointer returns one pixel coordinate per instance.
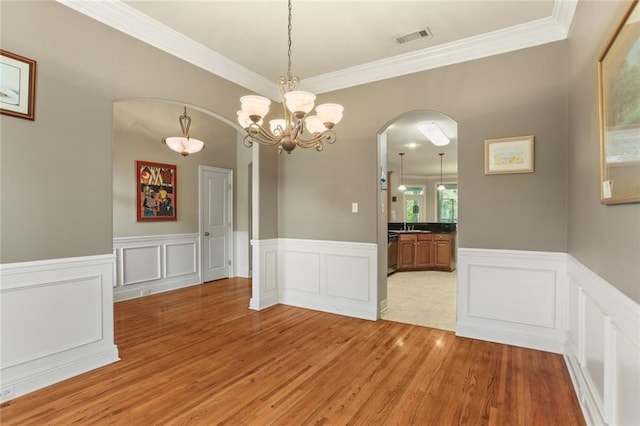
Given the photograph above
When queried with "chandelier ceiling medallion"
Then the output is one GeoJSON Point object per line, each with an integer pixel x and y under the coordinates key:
{"type": "Point", "coordinates": [184, 145]}
{"type": "Point", "coordinates": [296, 128]}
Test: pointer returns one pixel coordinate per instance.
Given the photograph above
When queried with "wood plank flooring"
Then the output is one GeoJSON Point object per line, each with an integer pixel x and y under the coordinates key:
{"type": "Point", "coordinates": [199, 356]}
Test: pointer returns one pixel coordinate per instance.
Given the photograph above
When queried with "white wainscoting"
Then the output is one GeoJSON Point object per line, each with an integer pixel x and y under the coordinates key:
{"type": "Point", "coordinates": [513, 297]}
{"type": "Point", "coordinates": [56, 321]}
{"type": "Point", "coordinates": [154, 264]}
{"type": "Point", "coordinates": [603, 348]}
{"type": "Point", "coordinates": [329, 276]}
{"type": "Point", "coordinates": [241, 264]}
{"type": "Point", "coordinates": [264, 285]}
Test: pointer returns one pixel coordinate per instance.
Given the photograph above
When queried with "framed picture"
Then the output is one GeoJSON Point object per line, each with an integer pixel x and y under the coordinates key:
{"type": "Point", "coordinates": [156, 189]}
{"type": "Point", "coordinates": [508, 155]}
{"type": "Point", "coordinates": [17, 85]}
{"type": "Point", "coordinates": [619, 95]}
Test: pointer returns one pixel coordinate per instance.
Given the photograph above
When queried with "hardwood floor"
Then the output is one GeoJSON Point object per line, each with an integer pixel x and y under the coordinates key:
{"type": "Point", "coordinates": [200, 356]}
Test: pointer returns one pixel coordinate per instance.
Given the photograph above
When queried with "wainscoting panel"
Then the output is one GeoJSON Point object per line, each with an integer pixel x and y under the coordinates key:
{"type": "Point", "coordinates": [241, 266]}
{"type": "Point", "coordinates": [181, 259]}
{"type": "Point", "coordinates": [300, 271]}
{"type": "Point", "coordinates": [513, 297]}
{"type": "Point", "coordinates": [56, 321]}
{"type": "Point", "coordinates": [329, 276]}
{"type": "Point", "coordinates": [533, 290]}
{"type": "Point", "coordinates": [603, 348]}
{"type": "Point", "coordinates": [140, 264]}
{"type": "Point", "coordinates": [348, 277]}
{"type": "Point", "coordinates": [264, 288]}
{"type": "Point", "coordinates": [153, 264]}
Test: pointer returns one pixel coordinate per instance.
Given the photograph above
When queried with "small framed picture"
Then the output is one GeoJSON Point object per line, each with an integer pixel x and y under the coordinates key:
{"type": "Point", "coordinates": [17, 85]}
{"type": "Point", "coordinates": [157, 192]}
{"type": "Point", "coordinates": [508, 155]}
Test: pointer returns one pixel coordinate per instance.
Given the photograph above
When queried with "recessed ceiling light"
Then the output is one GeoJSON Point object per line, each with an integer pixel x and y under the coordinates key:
{"type": "Point", "coordinates": [412, 145]}
{"type": "Point", "coordinates": [434, 133]}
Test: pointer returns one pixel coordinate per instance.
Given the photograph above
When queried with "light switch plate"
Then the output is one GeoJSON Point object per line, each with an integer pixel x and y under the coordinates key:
{"type": "Point", "coordinates": [354, 207]}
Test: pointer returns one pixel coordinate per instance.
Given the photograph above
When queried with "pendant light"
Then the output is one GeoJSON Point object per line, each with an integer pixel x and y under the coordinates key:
{"type": "Point", "coordinates": [440, 185]}
{"type": "Point", "coordinates": [184, 145]}
{"type": "Point", "coordinates": [402, 187]}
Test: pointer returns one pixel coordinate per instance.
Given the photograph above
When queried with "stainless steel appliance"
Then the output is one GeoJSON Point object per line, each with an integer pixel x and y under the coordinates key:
{"type": "Point", "coordinates": [392, 253]}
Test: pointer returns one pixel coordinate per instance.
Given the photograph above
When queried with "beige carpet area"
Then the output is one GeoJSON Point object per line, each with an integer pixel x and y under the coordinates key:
{"type": "Point", "coordinates": [426, 298]}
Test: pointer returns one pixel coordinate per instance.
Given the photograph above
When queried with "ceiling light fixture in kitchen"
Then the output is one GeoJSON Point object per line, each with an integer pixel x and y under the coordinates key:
{"type": "Point", "coordinates": [434, 133]}
{"type": "Point", "coordinates": [440, 185]}
{"type": "Point", "coordinates": [402, 187]}
{"type": "Point", "coordinates": [296, 128]}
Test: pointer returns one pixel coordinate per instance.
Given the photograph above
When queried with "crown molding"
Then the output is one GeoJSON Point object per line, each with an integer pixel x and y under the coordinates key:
{"type": "Point", "coordinates": [530, 34]}
{"type": "Point", "coordinates": [128, 20]}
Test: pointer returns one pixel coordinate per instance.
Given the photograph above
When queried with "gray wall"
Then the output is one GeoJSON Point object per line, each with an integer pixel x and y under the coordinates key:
{"type": "Point", "coordinates": [56, 172]}
{"type": "Point", "coordinates": [138, 127]}
{"type": "Point", "coordinates": [604, 238]}
{"type": "Point", "coordinates": [519, 93]}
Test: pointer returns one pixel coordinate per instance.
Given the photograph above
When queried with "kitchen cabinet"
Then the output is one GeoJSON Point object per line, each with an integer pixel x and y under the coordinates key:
{"type": "Point", "coordinates": [426, 251]}
{"type": "Point", "coordinates": [443, 252]}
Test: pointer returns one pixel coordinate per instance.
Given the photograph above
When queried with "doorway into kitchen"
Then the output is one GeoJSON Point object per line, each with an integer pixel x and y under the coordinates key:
{"type": "Point", "coordinates": [418, 217]}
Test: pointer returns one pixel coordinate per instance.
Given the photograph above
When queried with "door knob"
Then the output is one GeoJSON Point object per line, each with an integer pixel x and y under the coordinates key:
{"type": "Point", "coordinates": [206, 234]}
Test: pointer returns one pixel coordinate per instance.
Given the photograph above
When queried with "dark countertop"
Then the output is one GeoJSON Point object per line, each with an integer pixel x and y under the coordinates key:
{"type": "Point", "coordinates": [434, 227]}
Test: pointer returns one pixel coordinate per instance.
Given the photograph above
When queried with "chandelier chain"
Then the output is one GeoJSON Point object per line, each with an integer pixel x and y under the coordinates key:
{"type": "Point", "coordinates": [289, 47]}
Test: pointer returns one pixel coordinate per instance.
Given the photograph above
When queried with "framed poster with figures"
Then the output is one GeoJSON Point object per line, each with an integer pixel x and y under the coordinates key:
{"type": "Point", "coordinates": [156, 189]}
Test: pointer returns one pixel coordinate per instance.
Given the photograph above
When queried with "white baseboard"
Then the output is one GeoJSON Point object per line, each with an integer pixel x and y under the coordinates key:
{"type": "Point", "coordinates": [57, 321]}
{"type": "Point", "coordinates": [512, 297]}
{"type": "Point", "coordinates": [155, 264]}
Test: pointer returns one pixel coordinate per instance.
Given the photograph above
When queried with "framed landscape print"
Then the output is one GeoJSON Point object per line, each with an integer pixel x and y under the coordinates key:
{"type": "Point", "coordinates": [156, 189]}
{"type": "Point", "coordinates": [508, 155]}
{"type": "Point", "coordinates": [619, 95]}
{"type": "Point", "coordinates": [17, 85]}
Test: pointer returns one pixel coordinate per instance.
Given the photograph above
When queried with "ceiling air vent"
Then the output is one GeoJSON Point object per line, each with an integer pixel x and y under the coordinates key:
{"type": "Point", "coordinates": [414, 36]}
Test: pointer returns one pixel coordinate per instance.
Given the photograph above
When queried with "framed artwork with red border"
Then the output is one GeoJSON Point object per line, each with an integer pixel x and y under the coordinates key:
{"type": "Point", "coordinates": [156, 192]}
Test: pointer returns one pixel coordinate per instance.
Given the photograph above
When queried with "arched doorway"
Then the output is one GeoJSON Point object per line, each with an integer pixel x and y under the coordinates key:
{"type": "Point", "coordinates": [421, 207]}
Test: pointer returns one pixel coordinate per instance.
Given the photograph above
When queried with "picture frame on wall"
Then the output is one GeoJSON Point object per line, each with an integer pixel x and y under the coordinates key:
{"type": "Point", "coordinates": [509, 155]}
{"type": "Point", "coordinates": [619, 102]}
{"type": "Point", "coordinates": [156, 192]}
{"type": "Point", "coordinates": [17, 85]}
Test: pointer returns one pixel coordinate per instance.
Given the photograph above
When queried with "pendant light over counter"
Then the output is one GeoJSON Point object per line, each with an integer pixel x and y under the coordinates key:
{"type": "Point", "coordinates": [440, 185]}
{"type": "Point", "coordinates": [402, 187]}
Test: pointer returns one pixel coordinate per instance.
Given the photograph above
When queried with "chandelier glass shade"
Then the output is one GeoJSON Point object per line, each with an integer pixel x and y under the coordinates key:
{"type": "Point", "coordinates": [402, 187]}
{"type": "Point", "coordinates": [440, 185]}
{"type": "Point", "coordinates": [184, 145]}
{"type": "Point", "coordinates": [296, 128]}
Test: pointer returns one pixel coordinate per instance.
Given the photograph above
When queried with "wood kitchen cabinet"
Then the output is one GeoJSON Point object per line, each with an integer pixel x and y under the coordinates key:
{"type": "Point", "coordinates": [422, 251]}
{"type": "Point", "coordinates": [406, 251]}
{"type": "Point", "coordinates": [443, 252]}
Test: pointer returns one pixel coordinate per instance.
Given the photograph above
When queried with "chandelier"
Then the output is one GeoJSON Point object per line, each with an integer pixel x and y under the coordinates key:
{"type": "Point", "coordinates": [296, 128]}
{"type": "Point", "coordinates": [184, 144]}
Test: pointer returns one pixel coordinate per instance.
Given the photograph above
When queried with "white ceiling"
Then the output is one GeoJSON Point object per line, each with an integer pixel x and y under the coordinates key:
{"type": "Point", "coordinates": [335, 43]}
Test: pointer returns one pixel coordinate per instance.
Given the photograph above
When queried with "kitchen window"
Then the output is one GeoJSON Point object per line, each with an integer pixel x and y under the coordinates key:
{"type": "Point", "coordinates": [447, 202]}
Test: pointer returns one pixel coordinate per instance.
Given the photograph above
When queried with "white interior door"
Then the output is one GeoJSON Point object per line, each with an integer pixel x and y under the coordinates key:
{"type": "Point", "coordinates": [216, 222]}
